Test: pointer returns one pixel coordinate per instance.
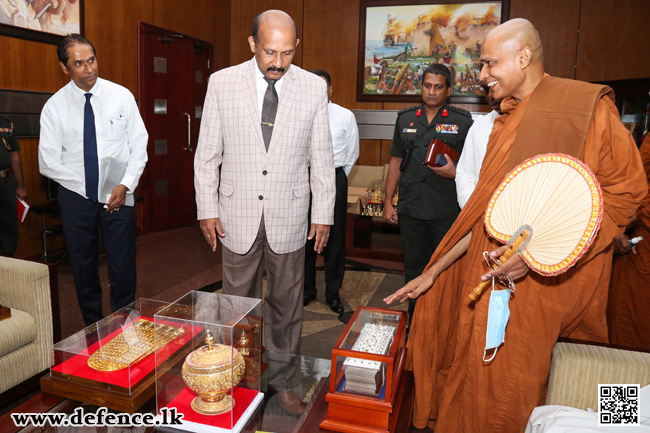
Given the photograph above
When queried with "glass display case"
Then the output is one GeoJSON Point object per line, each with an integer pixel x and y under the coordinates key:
{"type": "Point", "coordinates": [216, 384]}
{"type": "Point", "coordinates": [367, 369]}
{"type": "Point", "coordinates": [112, 362]}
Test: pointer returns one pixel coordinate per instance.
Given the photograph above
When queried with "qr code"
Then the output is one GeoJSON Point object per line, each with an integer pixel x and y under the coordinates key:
{"type": "Point", "coordinates": [618, 404]}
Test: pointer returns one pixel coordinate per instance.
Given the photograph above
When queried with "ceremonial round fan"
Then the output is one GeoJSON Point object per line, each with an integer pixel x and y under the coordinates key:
{"type": "Point", "coordinates": [548, 210]}
{"type": "Point", "coordinates": [560, 199]}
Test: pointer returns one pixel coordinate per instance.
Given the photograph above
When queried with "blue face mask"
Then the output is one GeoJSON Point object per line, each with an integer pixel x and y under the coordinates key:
{"type": "Point", "coordinates": [498, 315]}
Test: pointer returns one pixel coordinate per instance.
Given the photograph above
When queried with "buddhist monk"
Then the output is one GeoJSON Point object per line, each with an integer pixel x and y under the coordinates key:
{"type": "Point", "coordinates": [456, 390]}
{"type": "Point", "coordinates": [628, 313]}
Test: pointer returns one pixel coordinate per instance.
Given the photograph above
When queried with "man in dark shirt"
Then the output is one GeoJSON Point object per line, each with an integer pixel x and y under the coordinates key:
{"type": "Point", "coordinates": [427, 204]}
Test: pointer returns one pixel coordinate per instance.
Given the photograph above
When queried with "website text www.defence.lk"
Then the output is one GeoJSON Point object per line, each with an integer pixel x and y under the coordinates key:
{"type": "Point", "coordinates": [101, 418]}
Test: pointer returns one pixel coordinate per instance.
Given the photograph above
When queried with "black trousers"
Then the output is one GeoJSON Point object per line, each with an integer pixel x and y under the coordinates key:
{"type": "Point", "coordinates": [8, 216]}
{"type": "Point", "coordinates": [420, 238]}
{"type": "Point", "coordinates": [334, 252]}
{"type": "Point", "coordinates": [82, 222]}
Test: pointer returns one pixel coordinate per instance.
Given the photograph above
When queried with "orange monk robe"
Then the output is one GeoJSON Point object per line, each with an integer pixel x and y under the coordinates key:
{"type": "Point", "coordinates": [628, 313]}
{"type": "Point", "coordinates": [455, 390]}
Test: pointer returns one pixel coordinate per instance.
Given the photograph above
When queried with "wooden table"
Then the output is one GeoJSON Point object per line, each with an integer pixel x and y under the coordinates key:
{"type": "Point", "coordinates": [363, 239]}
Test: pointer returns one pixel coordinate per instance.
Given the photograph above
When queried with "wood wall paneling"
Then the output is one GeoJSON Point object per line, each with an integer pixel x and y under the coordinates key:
{"type": "Point", "coordinates": [241, 25]}
{"type": "Point", "coordinates": [369, 152]}
{"type": "Point", "coordinates": [112, 27]}
{"type": "Point", "coordinates": [385, 151]}
{"type": "Point", "coordinates": [30, 65]}
{"type": "Point", "coordinates": [614, 40]}
{"type": "Point", "coordinates": [557, 24]}
{"type": "Point", "coordinates": [331, 35]}
{"type": "Point", "coordinates": [207, 20]}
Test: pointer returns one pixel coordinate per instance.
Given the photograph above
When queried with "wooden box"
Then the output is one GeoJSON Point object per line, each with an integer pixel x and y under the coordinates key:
{"type": "Point", "coordinates": [365, 390]}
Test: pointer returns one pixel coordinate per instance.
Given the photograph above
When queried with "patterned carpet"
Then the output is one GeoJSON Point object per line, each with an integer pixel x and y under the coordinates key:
{"type": "Point", "coordinates": [322, 327]}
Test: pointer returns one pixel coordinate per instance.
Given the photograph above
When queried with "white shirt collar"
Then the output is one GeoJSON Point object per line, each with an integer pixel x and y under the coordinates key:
{"type": "Point", "coordinates": [261, 85]}
{"type": "Point", "coordinates": [81, 92]}
{"type": "Point", "coordinates": [261, 82]}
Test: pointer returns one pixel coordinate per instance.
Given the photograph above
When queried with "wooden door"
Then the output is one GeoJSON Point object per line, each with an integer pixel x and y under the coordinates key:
{"type": "Point", "coordinates": [174, 72]}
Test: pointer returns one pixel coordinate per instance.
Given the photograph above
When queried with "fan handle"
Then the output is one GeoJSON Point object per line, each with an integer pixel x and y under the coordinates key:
{"type": "Point", "coordinates": [512, 248]}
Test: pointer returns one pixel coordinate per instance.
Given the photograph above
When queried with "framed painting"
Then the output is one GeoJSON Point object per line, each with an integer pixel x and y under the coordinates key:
{"type": "Point", "coordinates": [398, 39]}
{"type": "Point", "coordinates": [41, 20]}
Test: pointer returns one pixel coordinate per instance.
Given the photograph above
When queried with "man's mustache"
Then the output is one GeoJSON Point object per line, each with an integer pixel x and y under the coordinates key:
{"type": "Point", "coordinates": [274, 69]}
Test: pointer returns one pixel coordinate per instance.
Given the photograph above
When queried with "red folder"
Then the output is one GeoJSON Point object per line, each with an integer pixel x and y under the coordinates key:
{"type": "Point", "coordinates": [436, 154]}
{"type": "Point", "coordinates": [23, 208]}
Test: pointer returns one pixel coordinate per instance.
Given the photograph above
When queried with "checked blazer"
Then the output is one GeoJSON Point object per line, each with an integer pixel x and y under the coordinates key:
{"type": "Point", "coordinates": [235, 178]}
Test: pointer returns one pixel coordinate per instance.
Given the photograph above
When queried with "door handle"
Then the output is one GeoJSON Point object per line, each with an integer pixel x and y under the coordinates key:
{"type": "Point", "coordinates": [189, 133]}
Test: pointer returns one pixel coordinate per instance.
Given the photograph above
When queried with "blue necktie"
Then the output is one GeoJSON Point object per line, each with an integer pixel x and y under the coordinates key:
{"type": "Point", "coordinates": [91, 165]}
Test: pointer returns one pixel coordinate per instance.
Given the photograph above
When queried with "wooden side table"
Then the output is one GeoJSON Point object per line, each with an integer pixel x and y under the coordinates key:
{"type": "Point", "coordinates": [359, 242]}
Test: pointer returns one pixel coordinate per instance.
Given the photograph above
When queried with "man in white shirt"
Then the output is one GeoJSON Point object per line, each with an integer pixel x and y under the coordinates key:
{"type": "Point", "coordinates": [87, 120]}
{"type": "Point", "coordinates": [471, 160]}
{"type": "Point", "coordinates": [345, 143]}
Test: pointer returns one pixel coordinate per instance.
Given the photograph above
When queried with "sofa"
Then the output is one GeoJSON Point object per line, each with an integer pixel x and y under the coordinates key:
{"type": "Point", "coordinates": [572, 401]}
{"type": "Point", "coordinates": [577, 369]}
{"type": "Point", "coordinates": [26, 337]}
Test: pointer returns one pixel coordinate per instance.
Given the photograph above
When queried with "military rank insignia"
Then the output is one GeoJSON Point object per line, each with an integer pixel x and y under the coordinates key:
{"type": "Point", "coordinates": [446, 128]}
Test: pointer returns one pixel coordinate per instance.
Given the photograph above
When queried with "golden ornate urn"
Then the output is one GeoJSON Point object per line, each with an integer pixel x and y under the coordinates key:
{"type": "Point", "coordinates": [210, 371]}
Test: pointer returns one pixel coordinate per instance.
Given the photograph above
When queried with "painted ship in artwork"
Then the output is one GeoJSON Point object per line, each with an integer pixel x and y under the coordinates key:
{"type": "Point", "coordinates": [401, 41]}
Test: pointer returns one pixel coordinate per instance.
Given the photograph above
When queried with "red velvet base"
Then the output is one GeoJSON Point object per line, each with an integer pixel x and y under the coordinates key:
{"type": "Point", "coordinates": [78, 364]}
{"type": "Point", "coordinates": [243, 398]}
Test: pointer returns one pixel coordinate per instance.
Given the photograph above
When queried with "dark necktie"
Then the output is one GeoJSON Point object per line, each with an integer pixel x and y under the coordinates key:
{"type": "Point", "coordinates": [269, 108]}
{"type": "Point", "coordinates": [91, 165]}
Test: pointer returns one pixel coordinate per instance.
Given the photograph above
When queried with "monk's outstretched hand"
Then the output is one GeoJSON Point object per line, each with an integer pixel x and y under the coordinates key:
{"type": "Point", "coordinates": [413, 288]}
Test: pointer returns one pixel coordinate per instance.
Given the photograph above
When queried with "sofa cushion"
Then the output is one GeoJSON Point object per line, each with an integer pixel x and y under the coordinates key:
{"type": "Point", "coordinates": [17, 331]}
{"type": "Point", "coordinates": [577, 369]}
{"type": "Point", "coordinates": [362, 175]}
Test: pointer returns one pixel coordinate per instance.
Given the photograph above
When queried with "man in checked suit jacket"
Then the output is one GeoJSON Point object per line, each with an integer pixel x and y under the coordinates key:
{"type": "Point", "coordinates": [256, 200]}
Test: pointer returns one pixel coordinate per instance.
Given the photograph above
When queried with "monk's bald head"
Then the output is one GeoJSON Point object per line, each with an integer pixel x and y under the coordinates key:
{"type": "Point", "coordinates": [513, 59]}
{"type": "Point", "coordinates": [276, 19]}
{"type": "Point", "coordinates": [273, 42]}
{"type": "Point", "coordinates": [517, 34]}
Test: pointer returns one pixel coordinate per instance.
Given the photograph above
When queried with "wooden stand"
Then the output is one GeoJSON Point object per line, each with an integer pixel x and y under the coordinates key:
{"type": "Point", "coordinates": [119, 401]}
{"type": "Point", "coordinates": [349, 412]}
{"type": "Point", "coordinates": [359, 243]}
{"type": "Point", "coordinates": [352, 414]}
